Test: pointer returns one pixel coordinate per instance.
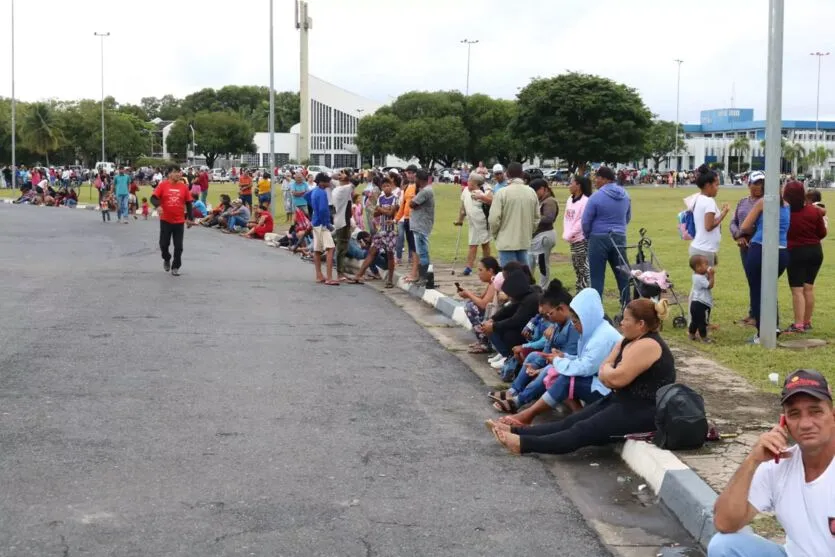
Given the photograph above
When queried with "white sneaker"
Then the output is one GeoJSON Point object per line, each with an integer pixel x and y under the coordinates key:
{"type": "Point", "coordinates": [495, 358]}
{"type": "Point", "coordinates": [498, 364]}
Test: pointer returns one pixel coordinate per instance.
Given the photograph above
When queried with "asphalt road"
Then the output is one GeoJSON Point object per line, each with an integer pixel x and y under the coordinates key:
{"type": "Point", "coordinates": [239, 410]}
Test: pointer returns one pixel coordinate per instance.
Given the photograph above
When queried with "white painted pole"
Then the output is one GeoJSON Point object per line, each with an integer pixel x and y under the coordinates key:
{"type": "Point", "coordinates": [469, 44]}
{"type": "Point", "coordinates": [303, 24]}
{"type": "Point", "coordinates": [678, 96]}
{"type": "Point", "coordinates": [14, 115]}
{"type": "Point", "coordinates": [772, 203]}
{"type": "Point", "coordinates": [272, 119]}
{"type": "Point", "coordinates": [102, 36]}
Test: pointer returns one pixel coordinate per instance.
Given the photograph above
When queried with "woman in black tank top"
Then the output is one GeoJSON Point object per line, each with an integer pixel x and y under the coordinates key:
{"type": "Point", "coordinates": [636, 368]}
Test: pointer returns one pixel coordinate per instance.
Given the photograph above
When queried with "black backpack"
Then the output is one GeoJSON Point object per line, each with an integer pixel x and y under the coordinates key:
{"type": "Point", "coordinates": [485, 207]}
{"type": "Point", "coordinates": [680, 418]}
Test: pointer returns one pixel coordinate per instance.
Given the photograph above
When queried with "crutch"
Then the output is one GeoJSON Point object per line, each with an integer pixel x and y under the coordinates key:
{"type": "Point", "coordinates": [457, 245]}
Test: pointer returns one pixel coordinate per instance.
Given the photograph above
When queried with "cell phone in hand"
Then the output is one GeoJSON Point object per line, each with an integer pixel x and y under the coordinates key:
{"type": "Point", "coordinates": [458, 286]}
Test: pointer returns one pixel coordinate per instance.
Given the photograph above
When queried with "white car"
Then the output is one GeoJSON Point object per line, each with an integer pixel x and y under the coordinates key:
{"type": "Point", "coordinates": [218, 175]}
{"type": "Point", "coordinates": [315, 169]}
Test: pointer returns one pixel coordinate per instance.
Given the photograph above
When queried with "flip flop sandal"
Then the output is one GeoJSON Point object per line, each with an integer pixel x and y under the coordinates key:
{"type": "Point", "coordinates": [481, 349]}
{"type": "Point", "coordinates": [489, 425]}
{"type": "Point", "coordinates": [497, 395]}
{"type": "Point", "coordinates": [331, 283]}
{"type": "Point", "coordinates": [506, 406]}
{"type": "Point", "coordinates": [511, 421]}
{"type": "Point", "coordinates": [389, 284]}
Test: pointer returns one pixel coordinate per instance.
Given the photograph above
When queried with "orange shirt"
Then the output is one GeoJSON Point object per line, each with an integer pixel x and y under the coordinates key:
{"type": "Point", "coordinates": [405, 210]}
{"type": "Point", "coordinates": [246, 184]}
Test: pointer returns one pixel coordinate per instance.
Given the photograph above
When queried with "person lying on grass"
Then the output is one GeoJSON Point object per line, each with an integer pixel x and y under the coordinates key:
{"type": "Point", "coordinates": [560, 342]}
{"type": "Point", "coordinates": [631, 375]}
{"type": "Point", "coordinates": [576, 378]}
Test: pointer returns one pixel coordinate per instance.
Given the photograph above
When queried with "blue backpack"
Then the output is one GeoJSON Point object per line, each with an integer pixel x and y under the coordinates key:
{"type": "Point", "coordinates": [686, 225]}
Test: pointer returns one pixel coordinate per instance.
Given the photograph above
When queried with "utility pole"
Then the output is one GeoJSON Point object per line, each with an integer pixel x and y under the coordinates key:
{"type": "Point", "coordinates": [272, 119]}
{"type": "Point", "coordinates": [678, 94]}
{"type": "Point", "coordinates": [193, 146]}
{"type": "Point", "coordinates": [469, 44]}
{"type": "Point", "coordinates": [102, 36]}
{"type": "Point", "coordinates": [773, 152]}
{"type": "Point", "coordinates": [14, 115]}
{"type": "Point", "coordinates": [818, 100]}
{"type": "Point", "coordinates": [304, 24]}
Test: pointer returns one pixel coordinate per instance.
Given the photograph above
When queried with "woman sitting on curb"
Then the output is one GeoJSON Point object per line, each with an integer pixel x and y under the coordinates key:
{"type": "Point", "coordinates": [475, 307]}
{"type": "Point", "coordinates": [574, 379]}
{"type": "Point", "coordinates": [636, 368]}
{"type": "Point", "coordinates": [504, 329]}
{"type": "Point", "coordinates": [563, 341]}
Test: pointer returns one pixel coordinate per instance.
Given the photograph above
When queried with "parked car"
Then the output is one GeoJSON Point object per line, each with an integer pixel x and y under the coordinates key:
{"type": "Point", "coordinates": [219, 175]}
{"type": "Point", "coordinates": [315, 168]}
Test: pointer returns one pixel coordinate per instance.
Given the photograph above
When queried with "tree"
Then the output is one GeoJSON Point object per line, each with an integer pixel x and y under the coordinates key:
{"type": "Point", "coordinates": [740, 145]}
{"type": "Point", "coordinates": [794, 152]}
{"type": "Point", "coordinates": [817, 157]}
{"type": "Point", "coordinates": [41, 132]}
{"type": "Point", "coordinates": [170, 108]}
{"type": "Point", "coordinates": [488, 123]}
{"type": "Point", "coordinates": [376, 134]}
{"type": "Point", "coordinates": [661, 141]}
{"type": "Point", "coordinates": [432, 140]}
{"type": "Point", "coordinates": [216, 134]}
{"type": "Point", "coordinates": [582, 118]}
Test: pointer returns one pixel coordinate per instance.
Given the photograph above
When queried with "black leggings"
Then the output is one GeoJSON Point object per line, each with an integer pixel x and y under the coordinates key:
{"type": "Point", "coordinates": [699, 318]}
{"type": "Point", "coordinates": [167, 231]}
{"type": "Point", "coordinates": [600, 423]}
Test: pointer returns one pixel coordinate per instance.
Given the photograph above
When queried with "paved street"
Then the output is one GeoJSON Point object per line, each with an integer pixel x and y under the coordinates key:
{"type": "Point", "coordinates": [239, 410]}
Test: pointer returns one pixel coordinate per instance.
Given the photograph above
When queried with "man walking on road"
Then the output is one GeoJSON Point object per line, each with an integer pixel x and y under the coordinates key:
{"type": "Point", "coordinates": [514, 216]}
{"type": "Point", "coordinates": [796, 483]}
{"type": "Point", "coordinates": [122, 186]}
{"type": "Point", "coordinates": [173, 200]}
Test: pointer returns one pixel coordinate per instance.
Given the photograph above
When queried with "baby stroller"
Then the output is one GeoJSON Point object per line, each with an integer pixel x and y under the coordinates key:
{"type": "Point", "coordinates": [646, 278]}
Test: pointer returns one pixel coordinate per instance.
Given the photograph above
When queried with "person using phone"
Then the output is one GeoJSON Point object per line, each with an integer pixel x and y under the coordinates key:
{"type": "Point", "coordinates": [796, 482]}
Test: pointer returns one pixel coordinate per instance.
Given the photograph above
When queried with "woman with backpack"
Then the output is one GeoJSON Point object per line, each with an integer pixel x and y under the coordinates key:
{"type": "Point", "coordinates": [635, 369]}
{"type": "Point", "coordinates": [707, 217]}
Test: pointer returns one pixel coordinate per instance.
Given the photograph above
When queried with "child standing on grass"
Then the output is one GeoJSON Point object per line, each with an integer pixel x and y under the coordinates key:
{"type": "Point", "coordinates": [701, 297]}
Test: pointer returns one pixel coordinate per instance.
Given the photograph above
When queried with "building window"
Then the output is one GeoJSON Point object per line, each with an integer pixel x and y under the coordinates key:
{"type": "Point", "coordinates": [249, 159]}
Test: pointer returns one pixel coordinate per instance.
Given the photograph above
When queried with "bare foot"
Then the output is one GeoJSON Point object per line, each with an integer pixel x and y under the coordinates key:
{"type": "Point", "coordinates": [498, 425]}
{"type": "Point", "coordinates": [516, 420]}
{"type": "Point", "coordinates": [511, 441]}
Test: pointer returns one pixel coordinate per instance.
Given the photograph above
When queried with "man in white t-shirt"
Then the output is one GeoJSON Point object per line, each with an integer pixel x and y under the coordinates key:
{"type": "Point", "coordinates": [796, 483]}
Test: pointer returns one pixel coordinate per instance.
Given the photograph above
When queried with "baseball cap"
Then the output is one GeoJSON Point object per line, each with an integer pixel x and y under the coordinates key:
{"type": "Point", "coordinates": [412, 168]}
{"type": "Point", "coordinates": [807, 381]}
{"type": "Point", "coordinates": [756, 176]}
{"type": "Point", "coordinates": [497, 168]}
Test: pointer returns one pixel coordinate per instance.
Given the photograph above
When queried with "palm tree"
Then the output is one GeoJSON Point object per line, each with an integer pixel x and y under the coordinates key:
{"type": "Point", "coordinates": [40, 131]}
{"type": "Point", "coordinates": [739, 145]}
{"type": "Point", "coordinates": [794, 152]}
{"type": "Point", "coordinates": [818, 156]}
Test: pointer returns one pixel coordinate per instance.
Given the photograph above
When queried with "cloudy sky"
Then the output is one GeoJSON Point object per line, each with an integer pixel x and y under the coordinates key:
{"type": "Point", "coordinates": [381, 48]}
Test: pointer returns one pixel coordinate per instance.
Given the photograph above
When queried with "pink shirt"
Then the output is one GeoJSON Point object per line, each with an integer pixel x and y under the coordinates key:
{"type": "Point", "coordinates": [572, 220]}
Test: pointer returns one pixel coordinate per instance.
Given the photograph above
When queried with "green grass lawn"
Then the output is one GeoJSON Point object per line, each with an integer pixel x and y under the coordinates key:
{"type": "Point", "coordinates": [655, 209]}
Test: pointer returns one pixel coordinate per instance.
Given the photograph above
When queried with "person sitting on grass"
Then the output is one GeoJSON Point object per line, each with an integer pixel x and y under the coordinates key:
{"type": "Point", "coordinates": [198, 208]}
{"type": "Point", "coordinates": [476, 305]}
{"type": "Point", "coordinates": [385, 239]}
{"type": "Point", "coordinates": [504, 329]}
{"type": "Point", "coordinates": [264, 224]}
{"type": "Point", "coordinates": [576, 378]}
{"type": "Point", "coordinates": [213, 218]}
{"type": "Point", "coordinates": [560, 342]}
{"type": "Point", "coordinates": [633, 372]}
{"type": "Point", "coordinates": [238, 216]}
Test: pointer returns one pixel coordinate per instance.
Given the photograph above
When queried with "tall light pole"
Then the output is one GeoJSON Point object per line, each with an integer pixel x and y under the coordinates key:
{"type": "Point", "coordinates": [469, 44]}
{"type": "Point", "coordinates": [818, 100]}
{"type": "Point", "coordinates": [678, 93]}
{"type": "Point", "coordinates": [14, 115]}
{"type": "Point", "coordinates": [303, 24]}
{"type": "Point", "coordinates": [193, 153]}
{"type": "Point", "coordinates": [773, 152]}
{"type": "Point", "coordinates": [102, 36]}
{"type": "Point", "coordinates": [272, 119]}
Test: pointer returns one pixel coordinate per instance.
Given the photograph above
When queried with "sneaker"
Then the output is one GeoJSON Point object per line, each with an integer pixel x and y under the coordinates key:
{"type": "Point", "coordinates": [166, 266]}
{"type": "Point", "coordinates": [494, 358]}
{"type": "Point", "coordinates": [467, 272]}
{"type": "Point", "coordinates": [498, 364]}
{"type": "Point", "coordinates": [175, 272]}
{"type": "Point", "coordinates": [754, 340]}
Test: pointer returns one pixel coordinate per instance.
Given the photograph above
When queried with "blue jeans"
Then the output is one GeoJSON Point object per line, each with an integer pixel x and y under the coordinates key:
{"type": "Point", "coordinates": [533, 390]}
{"type": "Point", "coordinates": [355, 251]}
{"type": "Point", "coordinates": [743, 545]}
{"type": "Point", "coordinates": [203, 195]}
{"type": "Point", "coordinates": [235, 220]}
{"type": "Point", "coordinates": [401, 240]}
{"type": "Point", "coordinates": [534, 360]}
{"type": "Point", "coordinates": [602, 250]}
{"type": "Point", "coordinates": [422, 247]}
{"type": "Point", "coordinates": [754, 274]}
{"type": "Point", "coordinates": [520, 255]}
{"type": "Point", "coordinates": [70, 202]}
{"type": "Point", "coordinates": [573, 388]}
{"type": "Point", "coordinates": [123, 206]}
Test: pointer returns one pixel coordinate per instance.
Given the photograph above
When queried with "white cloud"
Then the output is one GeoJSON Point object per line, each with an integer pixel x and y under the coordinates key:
{"type": "Point", "coordinates": [381, 48]}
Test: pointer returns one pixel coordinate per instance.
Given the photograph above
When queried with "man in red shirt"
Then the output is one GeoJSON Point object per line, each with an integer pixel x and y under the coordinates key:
{"type": "Point", "coordinates": [173, 200]}
{"type": "Point", "coordinates": [203, 180]}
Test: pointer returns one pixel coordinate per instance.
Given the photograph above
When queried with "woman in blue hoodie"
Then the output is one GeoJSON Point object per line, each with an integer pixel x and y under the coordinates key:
{"type": "Point", "coordinates": [564, 338]}
{"type": "Point", "coordinates": [633, 372]}
{"type": "Point", "coordinates": [577, 377]}
{"type": "Point", "coordinates": [607, 213]}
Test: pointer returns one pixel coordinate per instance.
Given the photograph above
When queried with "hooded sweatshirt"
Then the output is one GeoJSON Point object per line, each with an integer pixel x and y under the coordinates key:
{"type": "Point", "coordinates": [609, 209]}
{"type": "Point", "coordinates": [572, 219]}
{"type": "Point", "coordinates": [596, 341]}
{"type": "Point", "coordinates": [525, 303]}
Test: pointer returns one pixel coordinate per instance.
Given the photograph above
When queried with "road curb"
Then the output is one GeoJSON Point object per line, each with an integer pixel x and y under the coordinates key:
{"type": "Point", "coordinates": [678, 487]}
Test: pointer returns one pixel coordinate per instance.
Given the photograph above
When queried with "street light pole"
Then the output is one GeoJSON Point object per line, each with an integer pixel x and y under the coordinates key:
{"type": "Point", "coordinates": [818, 100]}
{"type": "Point", "coordinates": [14, 115]}
{"type": "Point", "coordinates": [193, 154]}
{"type": "Point", "coordinates": [678, 91]}
{"type": "Point", "coordinates": [469, 44]}
{"type": "Point", "coordinates": [102, 36]}
{"type": "Point", "coordinates": [773, 153]}
{"type": "Point", "coordinates": [272, 119]}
